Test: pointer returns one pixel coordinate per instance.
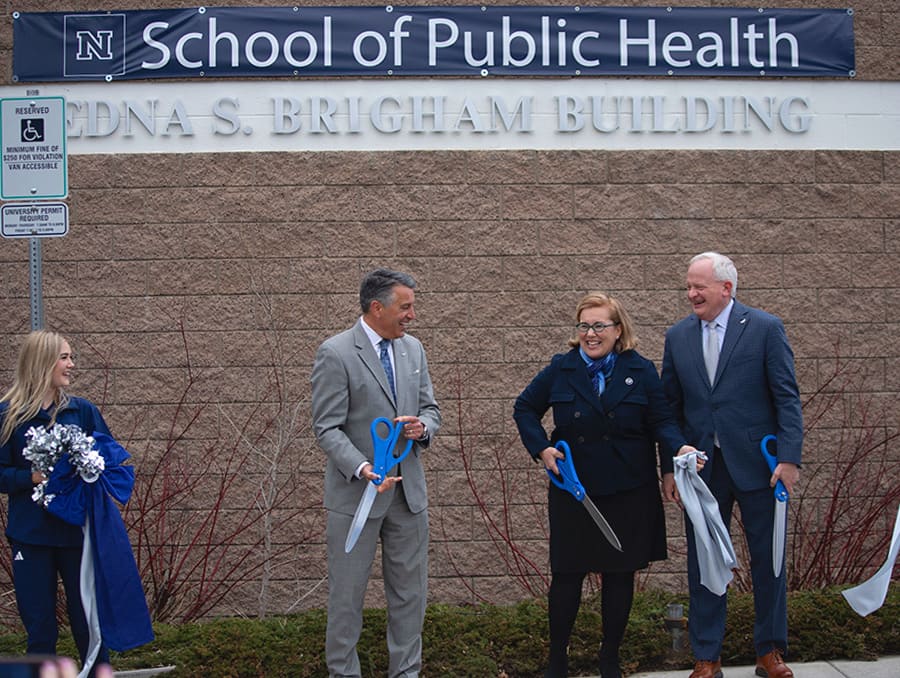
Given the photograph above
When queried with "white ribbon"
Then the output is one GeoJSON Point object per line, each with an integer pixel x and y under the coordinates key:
{"type": "Point", "coordinates": [715, 552]}
{"type": "Point", "coordinates": [870, 595]}
{"type": "Point", "coordinates": [89, 601]}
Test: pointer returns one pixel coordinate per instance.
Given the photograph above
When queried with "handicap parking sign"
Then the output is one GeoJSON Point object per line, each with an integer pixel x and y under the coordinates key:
{"type": "Point", "coordinates": [33, 148]}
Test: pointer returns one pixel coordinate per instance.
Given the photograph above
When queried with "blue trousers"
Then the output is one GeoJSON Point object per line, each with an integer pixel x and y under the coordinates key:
{"type": "Point", "coordinates": [35, 573]}
{"type": "Point", "coordinates": [707, 610]}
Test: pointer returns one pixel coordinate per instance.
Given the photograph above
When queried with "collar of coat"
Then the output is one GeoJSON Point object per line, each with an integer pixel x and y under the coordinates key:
{"type": "Point", "coordinates": [625, 377]}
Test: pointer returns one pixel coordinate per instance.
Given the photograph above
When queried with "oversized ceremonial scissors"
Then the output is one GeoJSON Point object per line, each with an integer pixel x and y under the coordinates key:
{"type": "Point", "coordinates": [568, 481]}
{"type": "Point", "coordinates": [779, 525]}
{"type": "Point", "coordinates": [384, 461]}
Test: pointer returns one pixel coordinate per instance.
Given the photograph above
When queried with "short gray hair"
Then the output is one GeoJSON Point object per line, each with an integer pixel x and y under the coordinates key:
{"type": "Point", "coordinates": [723, 268]}
{"type": "Point", "coordinates": [378, 285]}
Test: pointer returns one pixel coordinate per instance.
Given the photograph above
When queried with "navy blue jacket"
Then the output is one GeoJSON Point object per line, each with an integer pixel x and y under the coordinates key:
{"type": "Point", "coordinates": [612, 437]}
{"type": "Point", "coordinates": [28, 522]}
{"type": "Point", "coordinates": [755, 393]}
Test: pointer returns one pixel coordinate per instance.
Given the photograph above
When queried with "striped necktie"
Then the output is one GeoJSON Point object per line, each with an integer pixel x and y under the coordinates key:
{"type": "Point", "coordinates": [386, 364]}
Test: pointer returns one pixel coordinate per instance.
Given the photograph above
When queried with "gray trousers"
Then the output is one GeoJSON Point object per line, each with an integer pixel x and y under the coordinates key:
{"type": "Point", "coordinates": [404, 558]}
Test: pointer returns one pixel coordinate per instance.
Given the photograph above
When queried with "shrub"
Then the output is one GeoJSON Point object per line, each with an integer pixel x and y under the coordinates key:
{"type": "Point", "coordinates": [501, 641]}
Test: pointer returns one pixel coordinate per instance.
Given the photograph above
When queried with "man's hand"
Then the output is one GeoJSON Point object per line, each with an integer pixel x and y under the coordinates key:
{"type": "Point", "coordinates": [787, 473]}
{"type": "Point", "coordinates": [413, 427]}
{"type": "Point", "coordinates": [670, 489]}
{"type": "Point", "coordinates": [368, 474]}
{"type": "Point", "coordinates": [685, 449]}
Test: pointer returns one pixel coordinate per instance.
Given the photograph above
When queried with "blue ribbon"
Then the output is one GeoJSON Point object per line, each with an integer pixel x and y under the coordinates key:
{"type": "Point", "coordinates": [121, 605]}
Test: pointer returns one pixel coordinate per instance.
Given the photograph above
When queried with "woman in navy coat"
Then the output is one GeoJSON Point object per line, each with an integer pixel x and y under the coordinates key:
{"type": "Point", "coordinates": [608, 405]}
{"type": "Point", "coordinates": [44, 547]}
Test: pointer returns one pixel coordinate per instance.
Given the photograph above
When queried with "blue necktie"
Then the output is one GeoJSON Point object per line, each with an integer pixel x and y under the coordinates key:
{"type": "Point", "coordinates": [386, 364]}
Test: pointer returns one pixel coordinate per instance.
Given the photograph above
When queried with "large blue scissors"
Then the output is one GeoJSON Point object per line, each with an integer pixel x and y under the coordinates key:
{"type": "Point", "coordinates": [779, 527]}
{"type": "Point", "coordinates": [568, 481]}
{"type": "Point", "coordinates": [384, 461]}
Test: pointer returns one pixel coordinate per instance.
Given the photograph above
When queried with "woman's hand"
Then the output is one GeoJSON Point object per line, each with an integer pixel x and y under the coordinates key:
{"type": "Point", "coordinates": [549, 455]}
{"type": "Point", "coordinates": [37, 478]}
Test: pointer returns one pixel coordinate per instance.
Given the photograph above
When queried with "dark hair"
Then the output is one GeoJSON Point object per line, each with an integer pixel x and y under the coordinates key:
{"type": "Point", "coordinates": [378, 285]}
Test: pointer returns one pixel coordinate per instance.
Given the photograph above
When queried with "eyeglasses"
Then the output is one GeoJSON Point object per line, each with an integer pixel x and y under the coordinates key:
{"type": "Point", "coordinates": [584, 328]}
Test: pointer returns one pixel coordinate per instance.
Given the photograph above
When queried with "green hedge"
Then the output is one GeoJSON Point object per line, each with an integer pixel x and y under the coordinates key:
{"type": "Point", "coordinates": [501, 641]}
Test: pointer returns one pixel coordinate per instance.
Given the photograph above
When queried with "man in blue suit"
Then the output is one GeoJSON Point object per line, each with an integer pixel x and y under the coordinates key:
{"type": "Point", "coordinates": [728, 372]}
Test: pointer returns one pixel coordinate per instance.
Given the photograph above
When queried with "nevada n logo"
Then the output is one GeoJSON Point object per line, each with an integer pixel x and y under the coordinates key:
{"type": "Point", "coordinates": [94, 45]}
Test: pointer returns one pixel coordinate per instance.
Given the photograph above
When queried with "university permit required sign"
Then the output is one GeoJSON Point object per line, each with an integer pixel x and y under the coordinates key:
{"type": "Point", "coordinates": [34, 219]}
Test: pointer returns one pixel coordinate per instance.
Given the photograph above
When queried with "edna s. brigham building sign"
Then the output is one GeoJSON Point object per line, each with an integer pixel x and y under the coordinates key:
{"type": "Point", "coordinates": [373, 78]}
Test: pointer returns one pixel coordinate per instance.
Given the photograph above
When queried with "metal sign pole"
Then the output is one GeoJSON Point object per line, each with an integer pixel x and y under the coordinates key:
{"type": "Point", "coordinates": [37, 293]}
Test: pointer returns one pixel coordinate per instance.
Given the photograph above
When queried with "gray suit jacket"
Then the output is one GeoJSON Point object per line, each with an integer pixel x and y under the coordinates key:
{"type": "Point", "coordinates": [349, 390]}
{"type": "Point", "coordinates": [755, 392]}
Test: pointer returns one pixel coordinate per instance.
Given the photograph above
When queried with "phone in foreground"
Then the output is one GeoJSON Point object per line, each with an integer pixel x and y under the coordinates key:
{"type": "Point", "coordinates": [24, 666]}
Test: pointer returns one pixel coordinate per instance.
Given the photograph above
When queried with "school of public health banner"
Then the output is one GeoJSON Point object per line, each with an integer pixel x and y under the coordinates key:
{"type": "Point", "coordinates": [432, 41]}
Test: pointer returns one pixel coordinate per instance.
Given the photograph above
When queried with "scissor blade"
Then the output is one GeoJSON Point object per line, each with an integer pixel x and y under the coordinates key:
{"type": "Point", "coordinates": [604, 526]}
{"type": "Point", "coordinates": [361, 516]}
{"type": "Point", "coordinates": [778, 536]}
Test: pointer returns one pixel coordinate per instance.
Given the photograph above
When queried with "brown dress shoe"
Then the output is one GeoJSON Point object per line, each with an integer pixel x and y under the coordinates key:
{"type": "Point", "coordinates": [771, 665]}
{"type": "Point", "coordinates": [707, 669]}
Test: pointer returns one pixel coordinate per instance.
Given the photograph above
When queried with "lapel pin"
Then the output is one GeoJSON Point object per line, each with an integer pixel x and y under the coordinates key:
{"type": "Point", "coordinates": [629, 381]}
{"type": "Point", "coordinates": [743, 320]}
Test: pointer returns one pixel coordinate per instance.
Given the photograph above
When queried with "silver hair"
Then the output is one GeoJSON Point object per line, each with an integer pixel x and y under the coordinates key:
{"type": "Point", "coordinates": [723, 268]}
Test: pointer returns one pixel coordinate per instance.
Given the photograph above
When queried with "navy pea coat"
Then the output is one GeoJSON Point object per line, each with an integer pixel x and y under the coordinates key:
{"type": "Point", "coordinates": [613, 437]}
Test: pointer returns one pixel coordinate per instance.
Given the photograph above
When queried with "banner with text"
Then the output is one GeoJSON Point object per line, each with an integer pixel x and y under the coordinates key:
{"type": "Point", "coordinates": [432, 41]}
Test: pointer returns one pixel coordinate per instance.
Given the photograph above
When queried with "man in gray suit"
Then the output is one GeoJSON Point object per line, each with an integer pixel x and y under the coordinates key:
{"type": "Point", "coordinates": [374, 369]}
{"type": "Point", "coordinates": [728, 371]}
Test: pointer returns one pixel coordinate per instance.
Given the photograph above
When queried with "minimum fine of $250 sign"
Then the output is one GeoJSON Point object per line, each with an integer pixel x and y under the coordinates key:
{"type": "Point", "coordinates": [34, 159]}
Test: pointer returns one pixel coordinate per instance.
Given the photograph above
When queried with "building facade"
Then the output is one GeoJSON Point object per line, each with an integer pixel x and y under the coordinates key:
{"type": "Point", "coordinates": [219, 228]}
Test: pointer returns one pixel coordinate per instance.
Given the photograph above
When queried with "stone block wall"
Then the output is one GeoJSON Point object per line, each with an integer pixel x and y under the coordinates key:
{"type": "Point", "coordinates": [200, 285]}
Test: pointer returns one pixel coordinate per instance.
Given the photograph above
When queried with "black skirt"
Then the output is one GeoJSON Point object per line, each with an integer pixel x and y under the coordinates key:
{"type": "Point", "coordinates": [578, 545]}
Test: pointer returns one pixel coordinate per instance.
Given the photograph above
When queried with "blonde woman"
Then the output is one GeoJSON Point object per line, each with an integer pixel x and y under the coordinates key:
{"type": "Point", "coordinates": [44, 547]}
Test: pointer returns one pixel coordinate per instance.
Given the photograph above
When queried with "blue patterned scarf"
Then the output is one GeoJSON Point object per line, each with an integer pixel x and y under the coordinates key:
{"type": "Point", "coordinates": [599, 369]}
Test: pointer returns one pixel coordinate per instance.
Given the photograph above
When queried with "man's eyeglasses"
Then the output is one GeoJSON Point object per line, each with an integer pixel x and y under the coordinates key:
{"type": "Point", "coordinates": [584, 328]}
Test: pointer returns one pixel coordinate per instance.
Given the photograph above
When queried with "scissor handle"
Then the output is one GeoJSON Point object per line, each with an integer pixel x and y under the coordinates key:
{"type": "Point", "coordinates": [569, 478]}
{"type": "Point", "coordinates": [781, 493]}
{"type": "Point", "coordinates": [384, 447]}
